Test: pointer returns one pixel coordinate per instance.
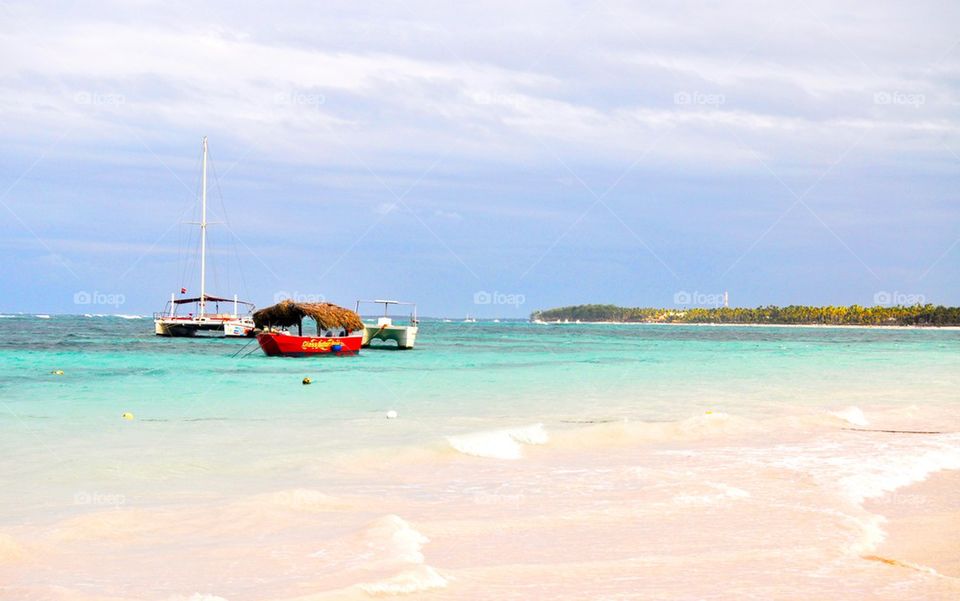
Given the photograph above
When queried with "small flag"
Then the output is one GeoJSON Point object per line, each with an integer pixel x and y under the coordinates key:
{"type": "Point", "coordinates": [183, 291]}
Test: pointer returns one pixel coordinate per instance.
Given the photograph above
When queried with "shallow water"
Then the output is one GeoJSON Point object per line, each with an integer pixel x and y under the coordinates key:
{"type": "Point", "coordinates": [527, 461]}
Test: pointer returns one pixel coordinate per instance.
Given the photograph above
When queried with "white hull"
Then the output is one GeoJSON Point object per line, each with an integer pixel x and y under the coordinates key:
{"type": "Point", "coordinates": [404, 336]}
{"type": "Point", "coordinates": [213, 326]}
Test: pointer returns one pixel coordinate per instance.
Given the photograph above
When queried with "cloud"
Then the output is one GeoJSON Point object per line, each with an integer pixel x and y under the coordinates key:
{"type": "Point", "coordinates": [501, 121]}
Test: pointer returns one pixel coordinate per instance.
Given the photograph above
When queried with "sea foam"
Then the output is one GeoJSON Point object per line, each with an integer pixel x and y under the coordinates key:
{"type": "Point", "coordinates": [852, 415]}
{"type": "Point", "coordinates": [395, 543]}
{"type": "Point", "coordinates": [499, 444]}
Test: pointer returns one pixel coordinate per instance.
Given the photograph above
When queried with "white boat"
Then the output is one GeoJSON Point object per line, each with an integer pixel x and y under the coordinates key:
{"type": "Point", "coordinates": [385, 330]}
{"type": "Point", "coordinates": [469, 319]}
{"type": "Point", "coordinates": [216, 322]}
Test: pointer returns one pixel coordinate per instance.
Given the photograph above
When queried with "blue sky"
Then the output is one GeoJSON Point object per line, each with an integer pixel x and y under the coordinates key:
{"type": "Point", "coordinates": [526, 154]}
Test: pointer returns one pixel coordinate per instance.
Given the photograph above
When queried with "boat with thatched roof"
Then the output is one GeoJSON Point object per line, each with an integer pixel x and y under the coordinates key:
{"type": "Point", "coordinates": [339, 330]}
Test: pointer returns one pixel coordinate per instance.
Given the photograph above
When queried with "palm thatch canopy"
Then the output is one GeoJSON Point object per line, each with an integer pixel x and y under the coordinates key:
{"type": "Point", "coordinates": [288, 313]}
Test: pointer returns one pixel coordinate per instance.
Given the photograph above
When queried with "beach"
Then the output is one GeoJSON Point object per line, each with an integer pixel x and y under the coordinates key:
{"type": "Point", "coordinates": [582, 462]}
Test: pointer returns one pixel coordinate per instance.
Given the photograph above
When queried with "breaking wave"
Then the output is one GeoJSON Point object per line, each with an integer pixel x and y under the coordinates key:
{"type": "Point", "coordinates": [499, 444]}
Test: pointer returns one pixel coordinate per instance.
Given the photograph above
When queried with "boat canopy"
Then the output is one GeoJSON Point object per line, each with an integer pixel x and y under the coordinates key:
{"type": "Point", "coordinates": [288, 313]}
{"type": "Point", "coordinates": [209, 299]}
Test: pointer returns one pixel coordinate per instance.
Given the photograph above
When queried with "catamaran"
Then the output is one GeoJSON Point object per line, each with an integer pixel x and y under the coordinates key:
{"type": "Point", "coordinates": [216, 322]}
{"type": "Point", "coordinates": [385, 329]}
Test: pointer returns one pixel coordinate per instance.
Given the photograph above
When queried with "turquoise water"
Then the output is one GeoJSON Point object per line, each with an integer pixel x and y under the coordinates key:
{"type": "Point", "coordinates": [482, 370]}
{"type": "Point", "coordinates": [579, 442]}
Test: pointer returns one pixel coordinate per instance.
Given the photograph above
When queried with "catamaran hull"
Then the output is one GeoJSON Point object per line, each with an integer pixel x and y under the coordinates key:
{"type": "Point", "coordinates": [403, 336]}
{"type": "Point", "coordinates": [186, 328]}
{"type": "Point", "coordinates": [281, 345]}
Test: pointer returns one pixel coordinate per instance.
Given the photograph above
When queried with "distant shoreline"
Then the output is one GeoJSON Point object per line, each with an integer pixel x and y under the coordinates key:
{"type": "Point", "coordinates": [748, 325]}
{"type": "Point", "coordinates": [809, 316]}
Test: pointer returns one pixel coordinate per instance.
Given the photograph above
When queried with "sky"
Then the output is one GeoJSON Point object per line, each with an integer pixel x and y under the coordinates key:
{"type": "Point", "coordinates": [489, 158]}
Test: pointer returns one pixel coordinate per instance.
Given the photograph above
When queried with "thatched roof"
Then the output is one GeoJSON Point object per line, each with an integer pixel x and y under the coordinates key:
{"type": "Point", "coordinates": [288, 313]}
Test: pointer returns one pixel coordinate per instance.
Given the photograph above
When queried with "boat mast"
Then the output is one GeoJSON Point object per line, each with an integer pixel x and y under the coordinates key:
{"type": "Point", "coordinates": [203, 236]}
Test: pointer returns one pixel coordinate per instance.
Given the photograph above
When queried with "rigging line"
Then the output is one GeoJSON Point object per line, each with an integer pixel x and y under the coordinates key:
{"type": "Point", "coordinates": [218, 284]}
{"type": "Point", "coordinates": [188, 261]}
{"type": "Point", "coordinates": [226, 220]}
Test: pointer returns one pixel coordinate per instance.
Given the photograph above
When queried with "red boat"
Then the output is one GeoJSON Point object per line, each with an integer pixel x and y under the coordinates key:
{"type": "Point", "coordinates": [339, 330]}
{"type": "Point", "coordinates": [277, 344]}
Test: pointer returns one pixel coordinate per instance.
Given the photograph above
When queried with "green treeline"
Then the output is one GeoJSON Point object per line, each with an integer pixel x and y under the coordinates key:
{"type": "Point", "coordinates": [916, 315]}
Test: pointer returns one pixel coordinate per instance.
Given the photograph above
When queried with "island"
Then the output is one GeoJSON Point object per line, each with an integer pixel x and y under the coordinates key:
{"type": "Point", "coordinates": [854, 315]}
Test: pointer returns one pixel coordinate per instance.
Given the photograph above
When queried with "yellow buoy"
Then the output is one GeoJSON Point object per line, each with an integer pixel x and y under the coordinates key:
{"type": "Point", "coordinates": [57, 372]}
{"type": "Point", "coordinates": [307, 381]}
{"type": "Point", "coordinates": [126, 415]}
{"type": "Point", "coordinates": [709, 412]}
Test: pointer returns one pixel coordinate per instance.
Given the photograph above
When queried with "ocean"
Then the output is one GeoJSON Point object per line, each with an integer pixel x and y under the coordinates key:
{"type": "Point", "coordinates": [525, 461]}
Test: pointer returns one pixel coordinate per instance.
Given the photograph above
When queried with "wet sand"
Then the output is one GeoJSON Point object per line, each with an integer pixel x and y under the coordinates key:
{"type": "Point", "coordinates": [923, 525]}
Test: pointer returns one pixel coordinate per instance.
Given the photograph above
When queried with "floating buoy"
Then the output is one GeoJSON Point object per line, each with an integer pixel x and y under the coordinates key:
{"type": "Point", "coordinates": [391, 414]}
{"type": "Point", "coordinates": [337, 348]}
{"type": "Point", "coordinates": [57, 372]}
{"type": "Point", "coordinates": [307, 381]}
{"type": "Point", "coordinates": [126, 415]}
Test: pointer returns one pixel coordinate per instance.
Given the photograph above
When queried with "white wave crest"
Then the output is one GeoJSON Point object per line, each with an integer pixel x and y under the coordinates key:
{"type": "Point", "coordinates": [499, 444]}
{"type": "Point", "coordinates": [896, 468]}
{"type": "Point", "coordinates": [397, 544]}
{"type": "Point", "coordinates": [420, 578]}
{"type": "Point", "coordinates": [852, 415]}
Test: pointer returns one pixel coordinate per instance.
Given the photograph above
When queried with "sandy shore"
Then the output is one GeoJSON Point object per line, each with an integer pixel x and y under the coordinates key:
{"type": "Point", "coordinates": [923, 524]}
